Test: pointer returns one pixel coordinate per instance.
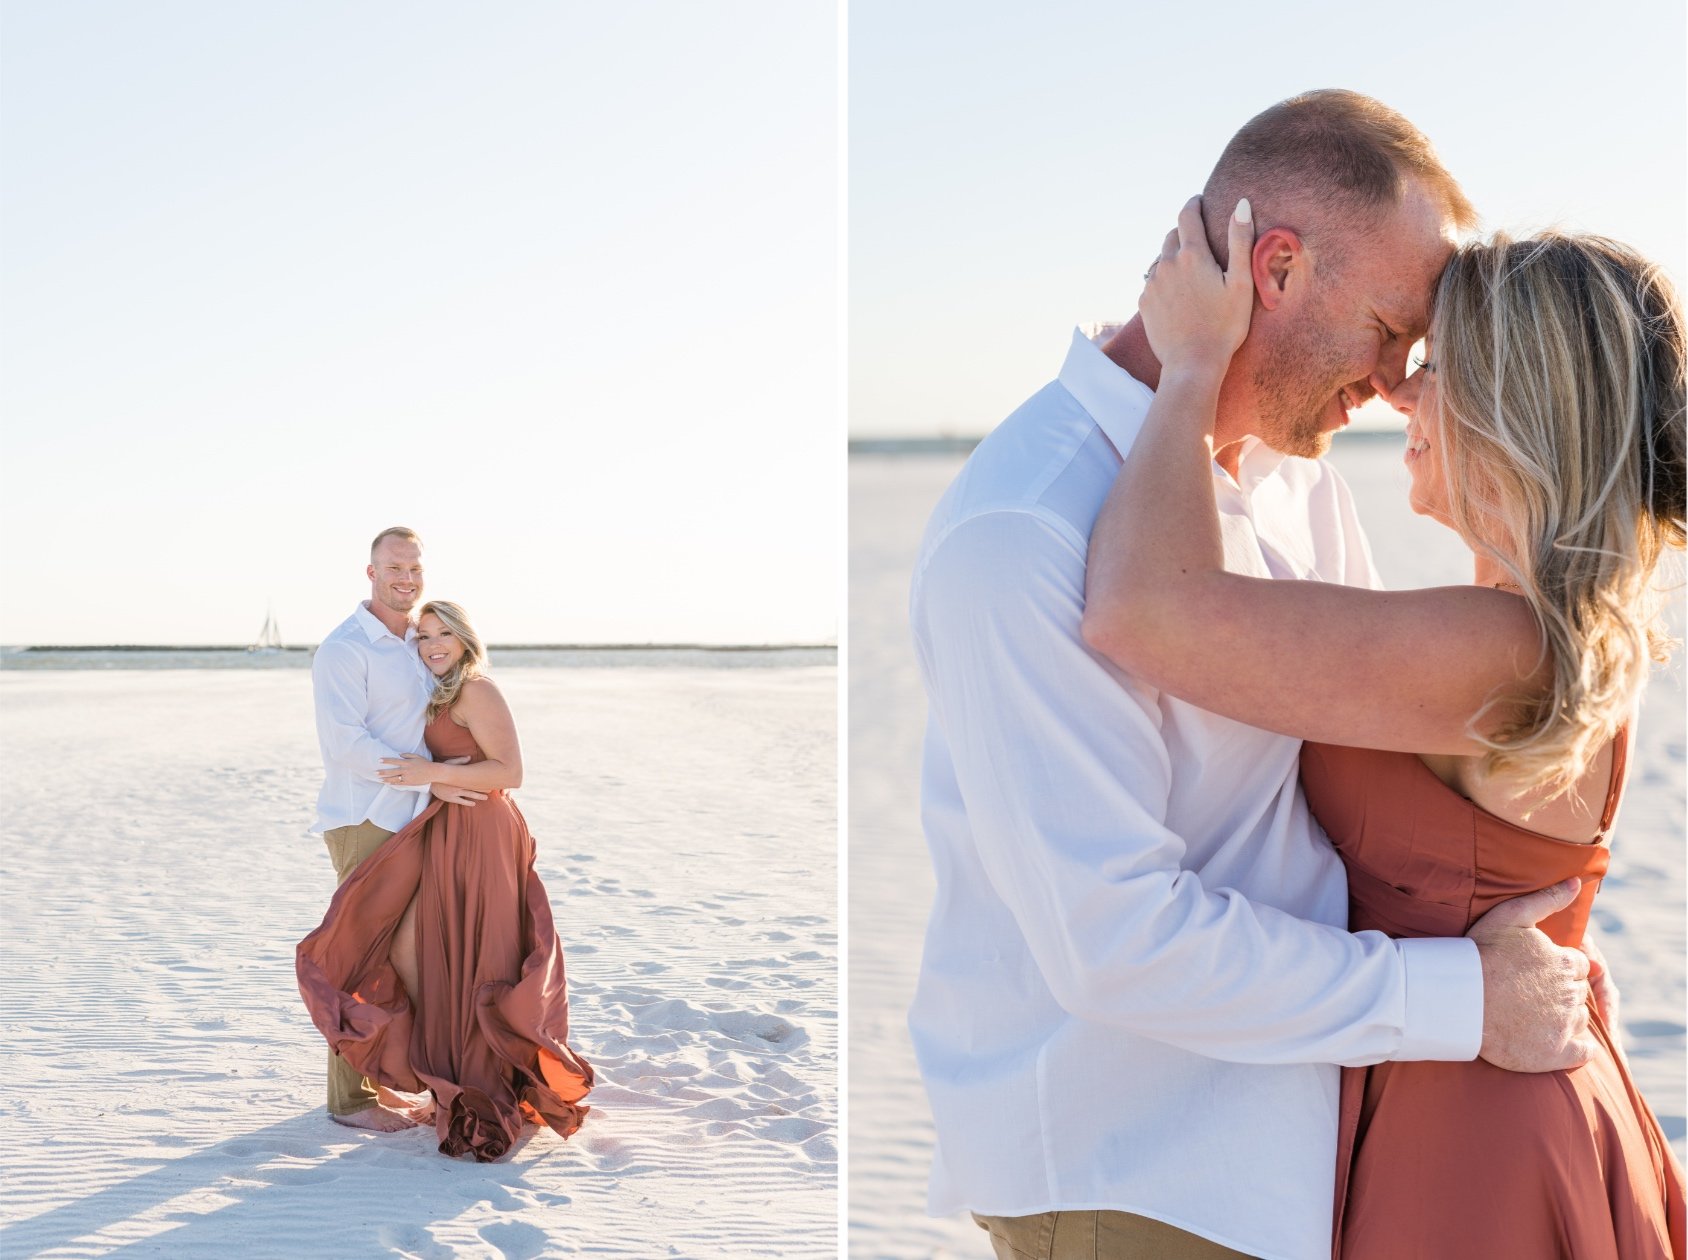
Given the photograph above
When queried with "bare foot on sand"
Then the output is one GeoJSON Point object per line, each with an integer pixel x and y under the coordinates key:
{"type": "Point", "coordinates": [377, 1118]}
{"type": "Point", "coordinates": [418, 1107]}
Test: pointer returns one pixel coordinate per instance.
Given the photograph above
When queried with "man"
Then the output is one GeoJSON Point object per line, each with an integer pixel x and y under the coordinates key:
{"type": "Point", "coordinates": [371, 692]}
{"type": "Point", "coordinates": [1135, 983]}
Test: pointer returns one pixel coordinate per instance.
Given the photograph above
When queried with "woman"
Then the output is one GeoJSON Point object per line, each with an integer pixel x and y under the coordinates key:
{"type": "Point", "coordinates": [1471, 739]}
{"type": "Point", "coordinates": [437, 966]}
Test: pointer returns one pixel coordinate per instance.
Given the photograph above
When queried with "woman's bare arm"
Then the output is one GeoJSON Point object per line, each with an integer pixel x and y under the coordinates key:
{"type": "Point", "coordinates": [482, 708]}
{"type": "Point", "coordinates": [1403, 671]}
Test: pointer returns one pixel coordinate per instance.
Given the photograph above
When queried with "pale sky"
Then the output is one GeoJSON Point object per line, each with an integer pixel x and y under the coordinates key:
{"type": "Point", "coordinates": [1013, 167]}
{"type": "Point", "coordinates": [555, 284]}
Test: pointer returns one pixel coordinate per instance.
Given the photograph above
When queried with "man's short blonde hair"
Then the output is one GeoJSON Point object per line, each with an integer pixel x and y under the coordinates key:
{"type": "Point", "coordinates": [1331, 164]}
{"type": "Point", "coordinates": [394, 531]}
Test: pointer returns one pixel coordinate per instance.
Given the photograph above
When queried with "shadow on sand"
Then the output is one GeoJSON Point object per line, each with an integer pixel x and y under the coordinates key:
{"type": "Point", "coordinates": [302, 1182]}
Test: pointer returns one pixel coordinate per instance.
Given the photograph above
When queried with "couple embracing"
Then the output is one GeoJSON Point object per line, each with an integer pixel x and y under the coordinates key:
{"type": "Point", "coordinates": [436, 975]}
{"type": "Point", "coordinates": [1261, 906]}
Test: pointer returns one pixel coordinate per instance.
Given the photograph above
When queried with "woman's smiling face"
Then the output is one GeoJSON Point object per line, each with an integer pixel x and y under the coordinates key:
{"type": "Point", "coordinates": [1416, 398]}
{"type": "Point", "coordinates": [440, 648]}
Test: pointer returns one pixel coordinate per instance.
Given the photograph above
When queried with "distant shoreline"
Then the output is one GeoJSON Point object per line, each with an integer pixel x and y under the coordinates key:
{"type": "Point", "coordinates": [951, 445]}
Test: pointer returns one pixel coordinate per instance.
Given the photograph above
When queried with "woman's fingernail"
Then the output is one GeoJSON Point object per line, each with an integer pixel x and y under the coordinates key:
{"type": "Point", "coordinates": [1245, 213]}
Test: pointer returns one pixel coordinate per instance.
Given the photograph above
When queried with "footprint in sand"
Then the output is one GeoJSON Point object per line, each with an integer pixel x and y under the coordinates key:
{"type": "Point", "coordinates": [298, 1176]}
{"type": "Point", "coordinates": [411, 1240]}
{"type": "Point", "coordinates": [821, 1150]}
{"type": "Point", "coordinates": [613, 1156]}
{"type": "Point", "coordinates": [791, 1129]}
{"type": "Point", "coordinates": [171, 1139]}
{"type": "Point", "coordinates": [721, 1109]}
{"type": "Point", "coordinates": [514, 1240]}
{"type": "Point", "coordinates": [753, 1027]}
{"type": "Point", "coordinates": [509, 1198]}
{"type": "Point", "coordinates": [781, 1080]}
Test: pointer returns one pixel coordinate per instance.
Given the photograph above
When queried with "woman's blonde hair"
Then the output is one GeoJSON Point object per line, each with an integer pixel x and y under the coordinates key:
{"type": "Point", "coordinates": [472, 664]}
{"type": "Point", "coordinates": [1559, 370]}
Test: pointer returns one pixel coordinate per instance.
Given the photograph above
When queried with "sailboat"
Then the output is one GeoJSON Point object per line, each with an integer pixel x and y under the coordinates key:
{"type": "Point", "coordinates": [269, 638]}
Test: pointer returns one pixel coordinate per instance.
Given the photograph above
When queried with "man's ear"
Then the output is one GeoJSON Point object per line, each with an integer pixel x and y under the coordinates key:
{"type": "Point", "coordinates": [1278, 259]}
{"type": "Point", "coordinates": [369, 572]}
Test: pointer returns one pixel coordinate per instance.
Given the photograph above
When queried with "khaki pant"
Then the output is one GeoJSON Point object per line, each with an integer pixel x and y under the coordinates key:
{"type": "Point", "coordinates": [349, 1093]}
{"type": "Point", "coordinates": [1096, 1236]}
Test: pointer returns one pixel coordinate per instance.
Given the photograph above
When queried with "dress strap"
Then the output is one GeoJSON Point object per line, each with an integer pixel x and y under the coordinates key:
{"type": "Point", "coordinates": [1620, 755]}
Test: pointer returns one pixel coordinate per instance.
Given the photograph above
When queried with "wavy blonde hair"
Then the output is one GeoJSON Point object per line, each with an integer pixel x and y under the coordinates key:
{"type": "Point", "coordinates": [1559, 367]}
{"type": "Point", "coordinates": [472, 664]}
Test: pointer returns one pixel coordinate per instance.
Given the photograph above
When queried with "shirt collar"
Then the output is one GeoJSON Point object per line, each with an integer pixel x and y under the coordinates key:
{"type": "Point", "coordinates": [1117, 401]}
{"type": "Point", "coordinates": [1256, 463]}
{"type": "Point", "coordinates": [372, 627]}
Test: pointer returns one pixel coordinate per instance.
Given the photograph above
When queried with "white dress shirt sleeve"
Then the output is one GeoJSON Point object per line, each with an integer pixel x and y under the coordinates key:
{"type": "Point", "coordinates": [1065, 778]}
{"type": "Point", "coordinates": [340, 685]}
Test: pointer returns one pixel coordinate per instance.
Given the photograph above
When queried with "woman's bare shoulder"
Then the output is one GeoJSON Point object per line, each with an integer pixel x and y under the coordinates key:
{"type": "Point", "coordinates": [478, 695]}
{"type": "Point", "coordinates": [1573, 816]}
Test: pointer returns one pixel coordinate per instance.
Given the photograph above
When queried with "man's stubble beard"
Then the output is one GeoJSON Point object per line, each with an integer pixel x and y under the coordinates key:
{"type": "Point", "coordinates": [388, 600]}
{"type": "Point", "coordinates": [1295, 378]}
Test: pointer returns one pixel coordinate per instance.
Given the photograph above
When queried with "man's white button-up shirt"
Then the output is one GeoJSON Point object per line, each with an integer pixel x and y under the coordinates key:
{"type": "Point", "coordinates": [1136, 977]}
{"type": "Point", "coordinates": [371, 691]}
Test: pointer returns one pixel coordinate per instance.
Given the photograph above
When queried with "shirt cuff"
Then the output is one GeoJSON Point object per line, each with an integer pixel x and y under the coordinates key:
{"type": "Point", "coordinates": [1444, 1019]}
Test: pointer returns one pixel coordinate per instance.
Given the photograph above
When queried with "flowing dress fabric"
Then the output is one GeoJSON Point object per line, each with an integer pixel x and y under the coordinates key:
{"type": "Point", "coordinates": [1463, 1159]}
{"type": "Point", "coordinates": [488, 1034]}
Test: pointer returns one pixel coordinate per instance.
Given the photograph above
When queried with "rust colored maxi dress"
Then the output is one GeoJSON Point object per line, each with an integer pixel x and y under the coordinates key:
{"type": "Point", "coordinates": [1457, 1160]}
{"type": "Point", "coordinates": [489, 1036]}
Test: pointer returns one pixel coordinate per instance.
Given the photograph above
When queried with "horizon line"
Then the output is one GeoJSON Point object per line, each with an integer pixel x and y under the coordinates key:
{"type": "Point", "coordinates": [956, 443]}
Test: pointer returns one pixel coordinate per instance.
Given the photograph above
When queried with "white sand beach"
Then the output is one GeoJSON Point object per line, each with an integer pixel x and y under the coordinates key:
{"type": "Point", "coordinates": [163, 1085]}
{"type": "Point", "coordinates": [1640, 913]}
